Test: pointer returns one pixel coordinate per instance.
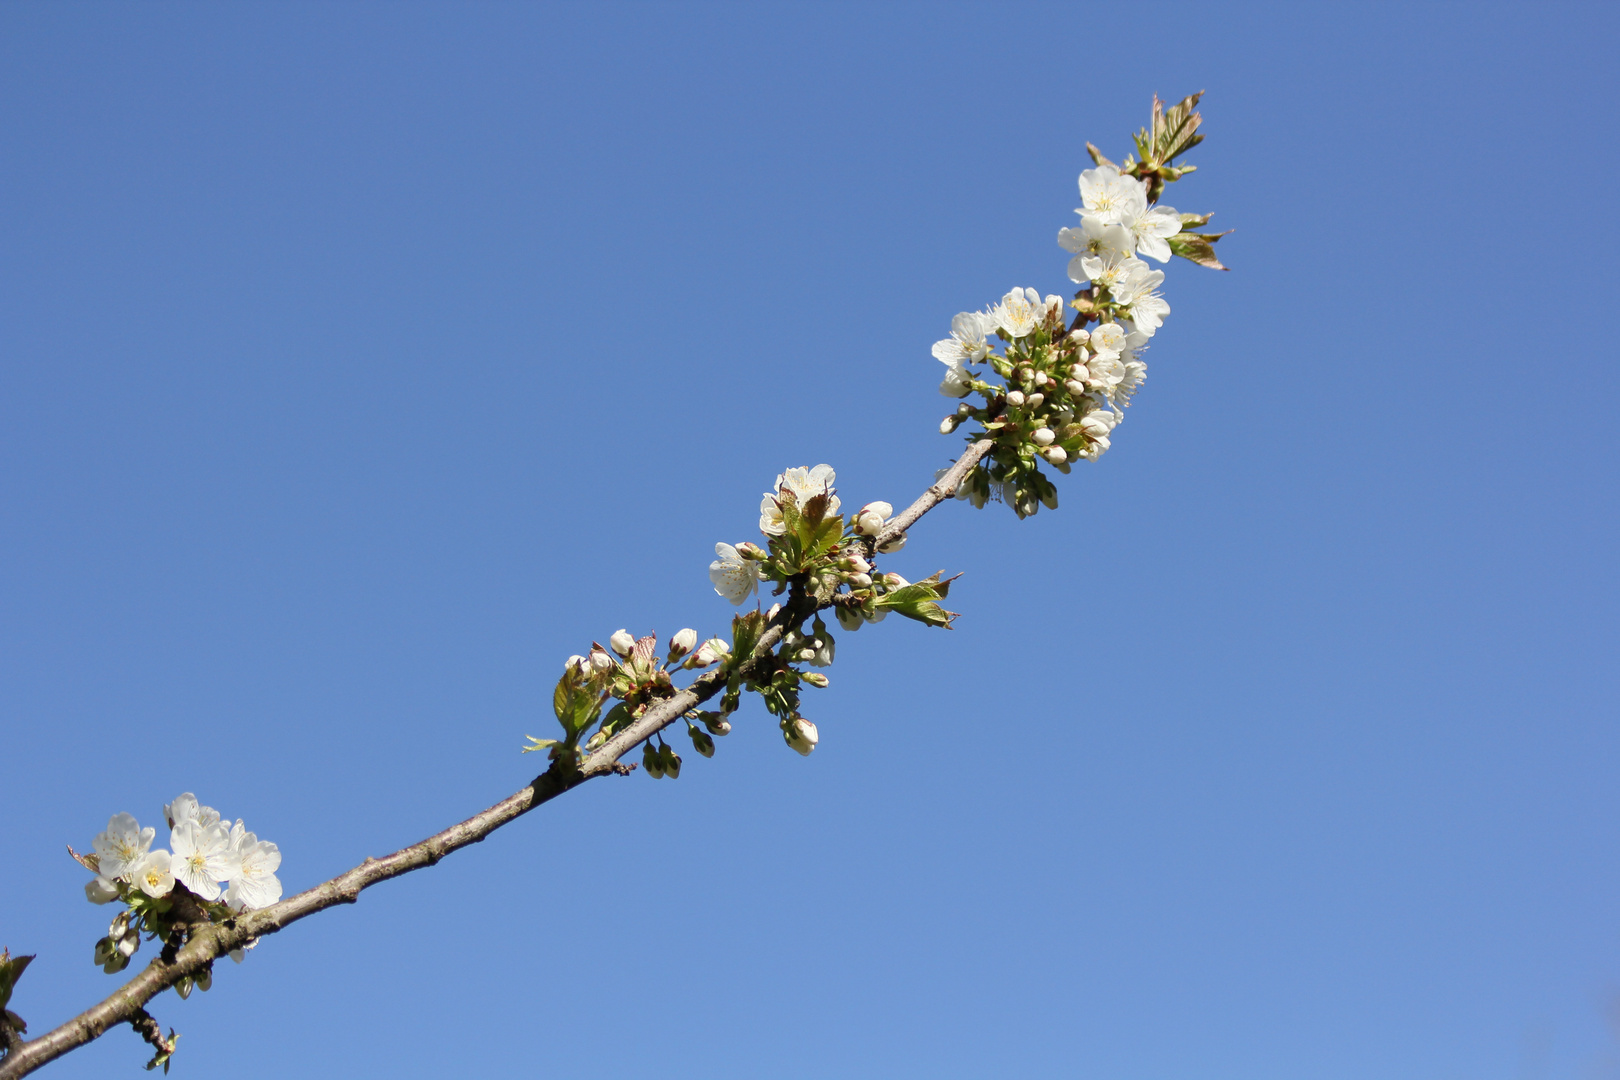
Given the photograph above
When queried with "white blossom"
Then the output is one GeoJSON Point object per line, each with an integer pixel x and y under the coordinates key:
{"type": "Point", "coordinates": [1098, 248]}
{"type": "Point", "coordinates": [1130, 382]}
{"type": "Point", "coordinates": [1055, 454]}
{"type": "Point", "coordinates": [957, 383]}
{"type": "Point", "coordinates": [154, 875]}
{"type": "Point", "coordinates": [185, 808]}
{"type": "Point", "coordinates": [122, 846]}
{"type": "Point", "coordinates": [254, 885]}
{"type": "Point", "coordinates": [1135, 293]}
{"type": "Point", "coordinates": [871, 518]}
{"type": "Point", "coordinates": [1108, 196]}
{"type": "Point", "coordinates": [203, 857]}
{"type": "Point", "coordinates": [99, 890]}
{"type": "Point", "coordinates": [734, 577]}
{"type": "Point", "coordinates": [1019, 312]}
{"type": "Point", "coordinates": [622, 642]}
{"type": "Point", "coordinates": [1151, 229]}
{"type": "Point", "coordinates": [805, 484]}
{"type": "Point", "coordinates": [801, 734]}
{"type": "Point", "coordinates": [966, 345]}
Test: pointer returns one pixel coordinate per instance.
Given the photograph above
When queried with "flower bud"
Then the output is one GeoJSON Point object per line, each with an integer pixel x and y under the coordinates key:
{"type": "Point", "coordinates": [800, 734]}
{"type": "Point", "coordinates": [1026, 375]}
{"type": "Point", "coordinates": [1075, 387]}
{"type": "Point", "coordinates": [1043, 437]}
{"type": "Point", "coordinates": [671, 762]}
{"type": "Point", "coordinates": [752, 551]}
{"type": "Point", "coordinates": [716, 723]}
{"type": "Point", "coordinates": [1055, 454]}
{"type": "Point", "coordinates": [807, 654]}
{"type": "Point", "coordinates": [893, 545]}
{"type": "Point", "coordinates": [600, 660]}
{"type": "Point", "coordinates": [860, 581]}
{"type": "Point", "coordinates": [869, 519]}
{"type": "Point", "coordinates": [849, 618]}
{"type": "Point", "coordinates": [963, 409]}
{"type": "Point", "coordinates": [1035, 400]}
{"type": "Point", "coordinates": [621, 642]}
{"type": "Point", "coordinates": [701, 742]}
{"type": "Point", "coordinates": [205, 979]}
{"type": "Point", "coordinates": [1015, 398]}
{"type": "Point", "coordinates": [894, 581]}
{"type": "Point", "coordinates": [776, 609]}
{"type": "Point", "coordinates": [854, 564]}
{"type": "Point", "coordinates": [183, 988]}
{"type": "Point", "coordinates": [719, 646]}
{"type": "Point", "coordinates": [682, 643]}
{"type": "Point", "coordinates": [1079, 336]}
{"type": "Point", "coordinates": [98, 890]}
{"type": "Point", "coordinates": [651, 761]}
{"type": "Point", "coordinates": [814, 678]}
{"type": "Point", "coordinates": [950, 424]}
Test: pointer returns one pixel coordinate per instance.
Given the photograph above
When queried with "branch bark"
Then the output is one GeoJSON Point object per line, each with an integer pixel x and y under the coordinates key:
{"type": "Point", "coordinates": [210, 941]}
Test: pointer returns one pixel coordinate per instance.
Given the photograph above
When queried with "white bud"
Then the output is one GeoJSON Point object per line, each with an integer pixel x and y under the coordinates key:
{"type": "Point", "coordinates": [719, 646]}
{"type": "Point", "coordinates": [893, 545]}
{"type": "Point", "coordinates": [815, 678]}
{"type": "Point", "coordinates": [752, 551]}
{"type": "Point", "coordinates": [98, 890]}
{"type": "Point", "coordinates": [682, 643]}
{"type": "Point", "coordinates": [1075, 387]}
{"type": "Point", "coordinates": [1079, 336]}
{"type": "Point", "coordinates": [860, 581]}
{"type": "Point", "coordinates": [1043, 437]}
{"type": "Point", "coordinates": [949, 424]}
{"type": "Point", "coordinates": [600, 660]}
{"type": "Point", "coordinates": [621, 642]}
{"type": "Point", "coordinates": [1015, 398]}
{"type": "Point", "coordinates": [1055, 454]}
{"type": "Point", "coordinates": [963, 409]}
{"type": "Point", "coordinates": [855, 564]}
{"type": "Point", "coordinates": [895, 581]}
{"type": "Point", "coordinates": [801, 734]}
{"type": "Point", "coordinates": [771, 614]}
{"type": "Point", "coordinates": [1035, 400]}
{"type": "Point", "coordinates": [849, 618]}
{"type": "Point", "coordinates": [870, 519]}
{"type": "Point", "coordinates": [1078, 371]}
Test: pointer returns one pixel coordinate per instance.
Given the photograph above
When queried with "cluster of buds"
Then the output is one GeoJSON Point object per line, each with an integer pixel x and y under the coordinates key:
{"type": "Point", "coordinates": [630, 673]}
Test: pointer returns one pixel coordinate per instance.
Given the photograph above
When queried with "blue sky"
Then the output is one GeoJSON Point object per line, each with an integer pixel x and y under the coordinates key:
{"type": "Point", "coordinates": [358, 363]}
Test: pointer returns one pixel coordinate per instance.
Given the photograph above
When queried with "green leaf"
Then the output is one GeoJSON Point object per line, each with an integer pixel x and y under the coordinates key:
{"type": "Point", "coordinates": [11, 969]}
{"type": "Point", "coordinates": [540, 744]}
{"type": "Point", "coordinates": [1097, 157]}
{"type": "Point", "coordinates": [1175, 129]}
{"type": "Point", "coordinates": [745, 631]}
{"type": "Point", "coordinates": [919, 601]}
{"type": "Point", "coordinates": [1197, 247]}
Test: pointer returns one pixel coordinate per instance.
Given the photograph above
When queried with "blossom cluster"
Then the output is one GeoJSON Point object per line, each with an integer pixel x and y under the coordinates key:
{"type": "Point", "coordinates": [1065, 387]}
{"type": "Point", "coordinates": [216, 867]}
{"type": "Point", "coordinates": [208, 856]}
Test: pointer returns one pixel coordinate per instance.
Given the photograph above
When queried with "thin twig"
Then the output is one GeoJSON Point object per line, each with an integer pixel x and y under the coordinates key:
{"type": "Point", "coordinates": [210, 941]}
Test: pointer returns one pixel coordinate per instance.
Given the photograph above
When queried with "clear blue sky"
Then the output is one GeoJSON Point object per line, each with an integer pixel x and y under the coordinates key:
{"type": "Point", "coordinates": [358, 363]}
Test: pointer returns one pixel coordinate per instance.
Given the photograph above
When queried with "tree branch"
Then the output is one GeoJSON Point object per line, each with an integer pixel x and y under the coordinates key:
{"type": "Point", "coordinates": [209, 941]}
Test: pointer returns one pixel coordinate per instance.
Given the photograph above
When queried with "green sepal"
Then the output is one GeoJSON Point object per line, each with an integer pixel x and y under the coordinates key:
{"type": "Point", "coordinates": [1097, 157]}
